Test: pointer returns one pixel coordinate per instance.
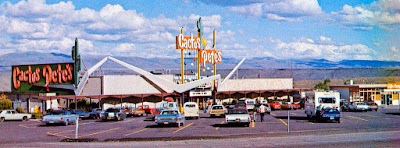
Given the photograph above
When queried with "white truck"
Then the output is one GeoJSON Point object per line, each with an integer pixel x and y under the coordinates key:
{"type": "Point", "coordinates": [13, 115]}
{"type": "Point", "coordinates": [317, 100]}
{"type": "Point", "coordinates": [191, 110]}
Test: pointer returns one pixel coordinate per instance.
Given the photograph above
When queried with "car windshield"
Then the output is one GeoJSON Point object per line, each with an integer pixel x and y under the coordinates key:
{"type": "Point", "coordinates": [217, 107]}
{"type": "Point", "coordinates": [190, 105]}
{"type": "Point", "coordinates": [327, 100]}
{"type": "Point", "coordinates": [331, 110]}
{"type": "Point", "coordinates": [169, 112]}
{"type": "Point", "coordinates": [112, 110]}
{"type": "Point", "coordinates": [57, 112]}
{"type": "Point", "coordinates": [238, 111]}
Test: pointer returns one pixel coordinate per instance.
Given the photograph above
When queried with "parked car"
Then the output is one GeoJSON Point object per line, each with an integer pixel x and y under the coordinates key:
{"type": "Point", "coordinates": [139, 112]}
{"type": "Point", "coordinates": [238, 116]}
{"type": "Point", "coordinates": [113, 114]}
{"type": "Point", "coordinates": [329, 114]}
{"type": "Point", "coordinates": [217, 110]}
{"type": "Point", "coordinates": [169, 116]}
{"type": "Point", "coordinates": [60, 117]}
{"type": "Point", "coordinates": [347, 106]}
{"type": "Point", "coordinates": [191, 110]}
{"type": "Point", "coordinates": [13, 115]}
{"type": "Point", "coordinates": [360, 106]}
{"type": "Point", "coordinates": [275, 105]}
{"type": "Point", "coordinates": [95, 114]}
{"type": "Point", "coordinates": [286, 106]}
{"type": "Point", "coordinates": [296, 105]}
{"type": "Point", "coordinates": [372, 106]}
{"type": "Point", "coordinates": [82, 114]}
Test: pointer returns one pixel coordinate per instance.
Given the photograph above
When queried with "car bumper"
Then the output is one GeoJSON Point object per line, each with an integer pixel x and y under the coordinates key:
{"type": "Point", "coordinates": [53, 121]}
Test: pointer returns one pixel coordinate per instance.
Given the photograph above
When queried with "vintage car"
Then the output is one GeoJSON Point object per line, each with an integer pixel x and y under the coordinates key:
{"type": "Point", "coordinates": [372, 106]}
{"type": "Point", "coordinates": [168, 116]}
{"type": "Point", "coordinates": [238, 116]}
{"type": "Point", "coordinates": [217, 110]}
{"type": "Point", "coordinates": [13, 115]}
{"type": "Point", "coordinates": [82, 114]}
{"type": "Point", "coordinates": [360, 106]}
{"type": "Point", "coordinates": [191, 110]}
{"type": "Point", "coordinates": [113, 114]}
{"type": "Point", "coordinates": [95, 114]}
{"type": "Point", "coordinates": [135, 112]}
{"type": "Point", "coordinates": [275, 105]}
{"type": "Point", "coordinates": [59, 117]}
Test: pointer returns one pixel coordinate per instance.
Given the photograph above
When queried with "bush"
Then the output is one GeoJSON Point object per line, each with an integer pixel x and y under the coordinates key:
{"type": "Point", "coordinates": [5, 103]}
{"type": "Point", "coordinates": [37, 115]}
{"type": "Point", "coordinates": [20, 109]}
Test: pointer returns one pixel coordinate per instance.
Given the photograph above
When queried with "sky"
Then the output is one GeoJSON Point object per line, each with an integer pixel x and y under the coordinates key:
{"type": "Point", "coordinates": [284, 29]}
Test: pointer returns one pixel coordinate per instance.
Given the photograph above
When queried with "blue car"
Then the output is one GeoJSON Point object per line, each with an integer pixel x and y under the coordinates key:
{"type": "Point", "coordinates": [63, 117]}
{"type": "Point", "coordinates": [168, 116]}
{"type": "Point", "coordinates": [82, 114]}
{"type": "Point", "coordinates": [330, 114]}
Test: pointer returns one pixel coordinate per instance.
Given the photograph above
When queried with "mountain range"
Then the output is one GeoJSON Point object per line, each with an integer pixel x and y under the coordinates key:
{"type": "Point", "coordinates": [7, 60]}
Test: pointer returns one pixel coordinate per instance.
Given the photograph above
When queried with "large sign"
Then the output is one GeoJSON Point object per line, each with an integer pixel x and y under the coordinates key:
{"type": "Point", "coordinates": [188, 42]}
{"type": "Point", "coordinates": [25, 77]}
{"type": "Point", "coordinates": [211, 56]}
{"type": "Point", "coordinates": [393, 85]}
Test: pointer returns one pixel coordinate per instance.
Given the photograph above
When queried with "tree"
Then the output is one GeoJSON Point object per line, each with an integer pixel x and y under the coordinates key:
{"type": "Point", "coordinates": [5, 103]}
{"type": "Point", "coordinates": [323, 85]}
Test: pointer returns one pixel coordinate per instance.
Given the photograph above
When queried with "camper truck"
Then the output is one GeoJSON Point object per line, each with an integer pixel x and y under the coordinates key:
{"type": "Point", "coordinates": [315, 101]}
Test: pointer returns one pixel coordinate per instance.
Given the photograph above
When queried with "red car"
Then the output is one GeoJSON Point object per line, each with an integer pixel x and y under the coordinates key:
{"type": "Point", "coordinates": [296, 105]}
{"type": "Point", "coordinates": [275, 105]}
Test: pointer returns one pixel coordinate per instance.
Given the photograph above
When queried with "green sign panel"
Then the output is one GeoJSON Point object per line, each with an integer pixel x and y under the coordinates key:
{"type": "Point", "coordinates": [41, 78]}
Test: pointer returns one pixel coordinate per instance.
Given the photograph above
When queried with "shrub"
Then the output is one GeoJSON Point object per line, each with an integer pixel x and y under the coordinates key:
{"type": "Point", "coordinates": [5, 103]}
{"type": "Point", "coordinates": [20, 109]}
{"type": "Point", "coordinates": [37, 115]}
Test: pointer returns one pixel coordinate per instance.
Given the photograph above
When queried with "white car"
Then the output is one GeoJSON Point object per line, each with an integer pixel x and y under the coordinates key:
{"type": "Point", "coordinates": [360, 106]}
{"type": "Point", "coordinates": [13, 115]}
{"type": "Point", "coordinates": [238, 116]}
{"type": "Point", "coordinates": [191, 110]}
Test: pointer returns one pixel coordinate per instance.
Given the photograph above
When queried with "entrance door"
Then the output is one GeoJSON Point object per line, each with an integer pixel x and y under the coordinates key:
{"type": "Point", "coordinates": [386, 99]}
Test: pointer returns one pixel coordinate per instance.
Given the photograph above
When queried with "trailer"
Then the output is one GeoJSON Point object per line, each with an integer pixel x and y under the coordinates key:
{"type": "Point", "coordinates": [315, 101]}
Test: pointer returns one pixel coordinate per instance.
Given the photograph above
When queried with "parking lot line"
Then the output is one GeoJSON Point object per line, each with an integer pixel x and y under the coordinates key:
{"type": "Point", "coordinates": [136, 132]}
{"type": "Point", "coordinates": [22, 125]}
{"type": "Point", "coordinates": [358, 118]}
{"type": "Point", "coordinates": [218, 126]}
{"type": "Point", "coordinates": [113, 129]}
{"type": "Point", "coordinates": [283, 122]}
{"type": "Point", "coordinates": [272, 114]}
{"type": "Point", "coordinates": [182, 128]}
{"type": "Point", "coordinates": [58, 134]}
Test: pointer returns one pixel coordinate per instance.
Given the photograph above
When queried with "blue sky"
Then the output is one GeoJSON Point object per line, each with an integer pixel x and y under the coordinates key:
{"type": "Point", "coordinates": [285, 29]}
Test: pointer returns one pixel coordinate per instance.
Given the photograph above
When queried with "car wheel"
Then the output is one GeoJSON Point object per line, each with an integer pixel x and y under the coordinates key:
{"type": "Point", "coordinates": [338, 120]}
{"type": "Point", "coordinates": [25, 118]}
{"type": "Point", "coordinates": [1, 119]}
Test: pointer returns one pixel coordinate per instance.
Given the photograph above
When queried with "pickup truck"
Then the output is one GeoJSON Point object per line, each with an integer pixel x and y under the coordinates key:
{"type": "Point", "coordinates": [13, 115]}
{"type": "Point", "coordinates": [170, 117]}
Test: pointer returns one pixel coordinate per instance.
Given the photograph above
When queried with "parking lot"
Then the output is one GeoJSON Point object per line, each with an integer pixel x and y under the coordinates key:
{"type": "Point", "coordinates": [141, 128]}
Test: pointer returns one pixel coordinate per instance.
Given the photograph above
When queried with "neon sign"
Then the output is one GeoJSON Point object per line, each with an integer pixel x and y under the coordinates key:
{"type": "Point", "coordinates": [24, 77]}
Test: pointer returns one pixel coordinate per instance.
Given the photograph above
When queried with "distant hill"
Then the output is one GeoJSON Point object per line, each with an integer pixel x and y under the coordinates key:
{"type": "Point", "coordinates": [165, 63]}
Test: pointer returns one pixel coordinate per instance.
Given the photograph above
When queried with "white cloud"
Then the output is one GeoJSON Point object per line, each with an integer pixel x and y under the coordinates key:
{"type": "Point", "coordinates": [125, 47]}
{"type": "Point", "coordinates": [383, 13]}
{"type": "Point", "coordinates": [280, 10]}
{"type": "Point", "coordinates": [253, 9]}
{"type": "Point", "coordinates": [305, 49]}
